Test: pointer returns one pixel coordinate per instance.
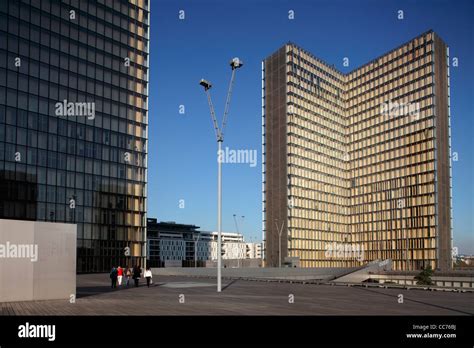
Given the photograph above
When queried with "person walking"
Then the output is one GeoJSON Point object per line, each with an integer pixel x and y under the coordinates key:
{"type": "Point", "coordinates": [119, 275]}
{"type": "Point", "coordinates": [148, 276]}
{"type": "Point", "coordinates": [137, 271]}
{"type": "Point", "coordinates": [113, 277]}
{"type": "Point", "coordinates": [128, 274]}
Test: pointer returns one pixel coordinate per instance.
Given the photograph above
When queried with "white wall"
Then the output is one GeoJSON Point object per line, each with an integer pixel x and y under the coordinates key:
{"type": "Point", "coordinates": [52, 275]}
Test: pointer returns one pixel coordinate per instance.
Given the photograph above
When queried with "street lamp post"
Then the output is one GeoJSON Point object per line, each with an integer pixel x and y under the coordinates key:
{"type": "Point", "coordinates": [406, 251]}
{"type": "Point", "coordinates": [280, 231]}
{"type": "Point", "coordinates": [238, 235]}
{"type": "Point", "coordinates": [243, 241]}
{"type": "Point", "coordinates": [401, 206]}
{"type": "Point", "coordinates": [235, 64]}
{"type": "Point", "coordinates": [196, 240]}
{"type": "Point", "coordinates": [237, 228]}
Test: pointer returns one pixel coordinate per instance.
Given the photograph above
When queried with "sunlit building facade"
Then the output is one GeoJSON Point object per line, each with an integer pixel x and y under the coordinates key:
{"type": "Point", "coordinates": [356, 166]}
{"type": "Point", "coordinates": [73, 122]}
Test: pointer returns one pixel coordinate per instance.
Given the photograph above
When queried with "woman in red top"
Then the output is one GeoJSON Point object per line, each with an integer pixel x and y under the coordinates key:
{"type": "Point", "coordinates": [119, 275]}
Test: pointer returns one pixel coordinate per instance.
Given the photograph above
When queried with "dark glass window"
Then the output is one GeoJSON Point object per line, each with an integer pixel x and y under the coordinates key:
{"type": "Point", "coordinates": [21, 136]}
{"type": "Point", "coordinates": [11, 98]}
{"type": "Point", "coordinates": [23, 83]}
{"type": "Point", "coordinates": [33, 86]}
{"type": "Point", "coordinates": [34, 66]}
{"type": "Point", "coordinates": [12, 81]}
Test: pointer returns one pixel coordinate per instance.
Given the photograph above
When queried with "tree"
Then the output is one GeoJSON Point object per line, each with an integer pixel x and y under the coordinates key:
{"type": "Point", "coordinates": [424, 278]}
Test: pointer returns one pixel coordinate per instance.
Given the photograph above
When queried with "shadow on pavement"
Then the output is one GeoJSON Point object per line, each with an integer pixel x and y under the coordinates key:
{"type": "Point", "coordinates": [89, 290]}
{"type": "Point", "coordinates": [232, 282]}
{"type": "Point", "coordinates": [84, 291]}
{"type": "Point", "coordinates": [418, 301]}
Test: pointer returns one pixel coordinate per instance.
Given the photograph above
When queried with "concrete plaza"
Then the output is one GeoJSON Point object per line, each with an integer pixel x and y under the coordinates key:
{"type": "Point", "coordinates": [181, 295]}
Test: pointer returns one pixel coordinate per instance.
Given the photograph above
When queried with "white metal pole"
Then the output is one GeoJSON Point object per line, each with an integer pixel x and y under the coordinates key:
{"type": "Point", "coordinates": [219, 215]}
{"type": "Point", "coordinates": [280, 231]}
{"type": "Point", "coordinates": [279, 251]}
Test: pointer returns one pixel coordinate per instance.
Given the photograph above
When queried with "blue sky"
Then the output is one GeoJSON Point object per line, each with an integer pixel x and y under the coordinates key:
{"type": "Point", "coordinates": [182, 147]}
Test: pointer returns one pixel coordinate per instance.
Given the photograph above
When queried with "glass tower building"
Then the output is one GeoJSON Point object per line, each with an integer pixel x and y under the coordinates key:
{"type": "Point", "coordinates": [73, 122]}
{"type": "Point", "coordinates": [356, 166]}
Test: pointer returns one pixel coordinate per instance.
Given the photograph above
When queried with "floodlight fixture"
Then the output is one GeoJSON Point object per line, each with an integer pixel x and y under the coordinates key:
{"type": "Point", "coordinates": [206, 84]}
{"type": "Point", "coordinates": [236, 63]}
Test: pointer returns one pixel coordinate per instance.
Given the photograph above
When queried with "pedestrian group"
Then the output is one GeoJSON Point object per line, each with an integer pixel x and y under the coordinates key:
{"type": "Point", "coordinates": [116, 275]}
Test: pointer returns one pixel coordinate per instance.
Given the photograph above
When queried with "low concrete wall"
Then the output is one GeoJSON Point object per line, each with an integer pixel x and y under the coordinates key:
{"type": "Point", "coordinates": [319, 274]}
{"type": "Point", "coordinates": [235, 263]}
{"type": "Point", "coordinates": [37, 260]}
{"type": "Point", "coordinates": [441, 281]}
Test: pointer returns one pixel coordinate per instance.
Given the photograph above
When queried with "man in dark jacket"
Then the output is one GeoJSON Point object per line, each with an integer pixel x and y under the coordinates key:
{"type": "Point", "coordinates": [137, 274]}
{"type": "Point", "coordinates": [113, 276]}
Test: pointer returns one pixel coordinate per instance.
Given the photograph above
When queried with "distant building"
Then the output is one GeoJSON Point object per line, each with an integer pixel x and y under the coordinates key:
{"type": "Point", "coordinates": [172, 243]}
{"type": "Point", "coordinates": [233, 245]}
{"type": "Point", "coordinates": [254, 250]}
{"type": "Point", "coordinates": [358, 160]}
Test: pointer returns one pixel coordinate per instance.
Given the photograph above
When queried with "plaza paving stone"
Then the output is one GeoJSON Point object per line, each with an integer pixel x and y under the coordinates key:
{"type": "Point", "coordinates": [240, 297]}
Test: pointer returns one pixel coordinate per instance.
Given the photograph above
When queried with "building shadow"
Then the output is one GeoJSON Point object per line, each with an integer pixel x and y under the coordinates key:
{"type": "Point", "coordinates": [85, 291]}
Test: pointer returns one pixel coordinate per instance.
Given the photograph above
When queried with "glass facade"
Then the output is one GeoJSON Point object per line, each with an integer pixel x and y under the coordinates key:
{"type": "Point", "coordinates": [357, 160]}
{"type": "Point", "coordinates": [73, 122]}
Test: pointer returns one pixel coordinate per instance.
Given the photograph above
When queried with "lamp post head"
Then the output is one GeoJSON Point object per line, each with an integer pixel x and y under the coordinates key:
{"type": "Point", "coordinates": [236, 63]}
{"type": "Point", "coordinates": [206, 84]}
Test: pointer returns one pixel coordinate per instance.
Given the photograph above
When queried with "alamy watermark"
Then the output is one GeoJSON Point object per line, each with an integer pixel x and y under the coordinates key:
{"type": "Point", "coordinates": [237, 156]}
{"type": "Point", "coordinates": [21, 251]}
{"type": "Point", "coordinates": [65, 108]}
{"type": "Point", "coordinates": [37, 331]}
{"type": "Point", "coordinates": [400, 109]}
{"type": "Point", "coordinates": [344, 251]}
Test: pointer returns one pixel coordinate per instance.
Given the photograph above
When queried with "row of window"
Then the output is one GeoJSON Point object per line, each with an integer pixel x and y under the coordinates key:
{"type": "Point", "coordinates": [369, 246]}
{"type": "Point", "coordinates": [58, 19]}
{"type": "Point", "coordinates": [381, 149]}
{"type": "Point", "coordinates": [67, 71]}
{"type": "Point", "coordinates": [35, 194]}
{"type": "Point", "coordinates": [404, 60]}
{"type": "Point", "coordinates": [37, 143]}
{"type": "Point", "coordinates": [91, 135]}
{"type": "Point", "coordinates": [308, 63]}
{"type": "Point", "coordinates": [39, 175]}
{"type": "Point", "coordinates": [106, 99]}
{"type": "Point", "coordinates": [110, 237]}
{"type": "Point", "coordinates": [35, 105]}
{"type": "Point", "coordinates": [69, 56]}
{"type": "Point", "coordinates": [405, 93]}
{"type": "Point", "coordinates": [63, 174]}
{"type": "Point", "coordinates": [61, 213]}
{"type": "Point", "coordinates": [304, 64]}
{"type": "Point", "coordinates": [383, 124]}
{"type": "Point", "coordinates": [403, 77]}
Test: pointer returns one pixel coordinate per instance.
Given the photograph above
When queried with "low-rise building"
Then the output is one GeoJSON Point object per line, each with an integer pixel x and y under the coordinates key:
{"type": "Point", "coordinates": [254, 250]}
{"type": "Point", "coordinates": [233, 245]}
{"type": "Point", "coordinates": [172, 243]}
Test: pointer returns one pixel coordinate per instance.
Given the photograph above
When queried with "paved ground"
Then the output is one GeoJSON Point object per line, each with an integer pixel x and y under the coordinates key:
{"type": "Point", "coordinates": [198, 296]}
